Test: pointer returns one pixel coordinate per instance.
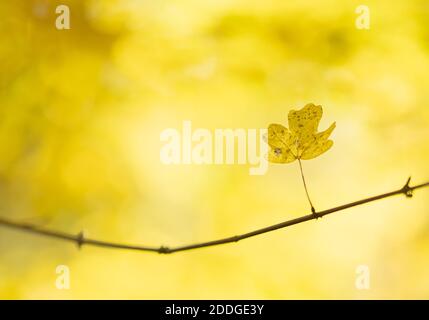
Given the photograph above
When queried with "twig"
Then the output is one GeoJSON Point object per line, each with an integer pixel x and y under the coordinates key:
{"type": "Point", "coordinates": [81, 240]}
{"type": "Point", "coordinates": [305, 187]}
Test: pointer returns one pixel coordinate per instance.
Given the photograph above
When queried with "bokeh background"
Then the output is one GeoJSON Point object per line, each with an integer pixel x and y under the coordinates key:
{"type": "Point", "coordinates": [81, 111]}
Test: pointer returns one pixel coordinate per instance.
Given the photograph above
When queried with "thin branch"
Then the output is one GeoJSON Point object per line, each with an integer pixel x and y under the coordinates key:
{"type": "Point", "coordinates": [81, 240]}
{"type": "Point", "coordinates": [305, 187]}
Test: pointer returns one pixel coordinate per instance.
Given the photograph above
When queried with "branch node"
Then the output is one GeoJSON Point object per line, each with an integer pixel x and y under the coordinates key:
{"type": "Point", "coordinates": [80, 239]}
{"type": "Point", "coordinates": [164, 250]}
{"type": "Point", "coordinates": [407, 190]}
{"type": "Point", "coordinates": [315, 213]}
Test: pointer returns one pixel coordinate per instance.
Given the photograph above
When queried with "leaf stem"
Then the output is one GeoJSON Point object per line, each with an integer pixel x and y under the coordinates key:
{"type": "Point", "coordinates": [305, 187]}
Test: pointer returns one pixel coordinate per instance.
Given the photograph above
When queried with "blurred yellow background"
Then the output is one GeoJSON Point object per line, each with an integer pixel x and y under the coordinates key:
{"type": "Point", "coordinates": [81, 111]}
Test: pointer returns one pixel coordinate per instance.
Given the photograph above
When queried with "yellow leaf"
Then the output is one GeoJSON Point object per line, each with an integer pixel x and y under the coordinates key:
{"type": "Point", "coordinates": [301, 140]}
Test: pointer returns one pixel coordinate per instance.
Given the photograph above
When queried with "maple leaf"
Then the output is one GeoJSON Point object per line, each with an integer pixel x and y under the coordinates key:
{"type": "Point", "coordinates": [301, 140]}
